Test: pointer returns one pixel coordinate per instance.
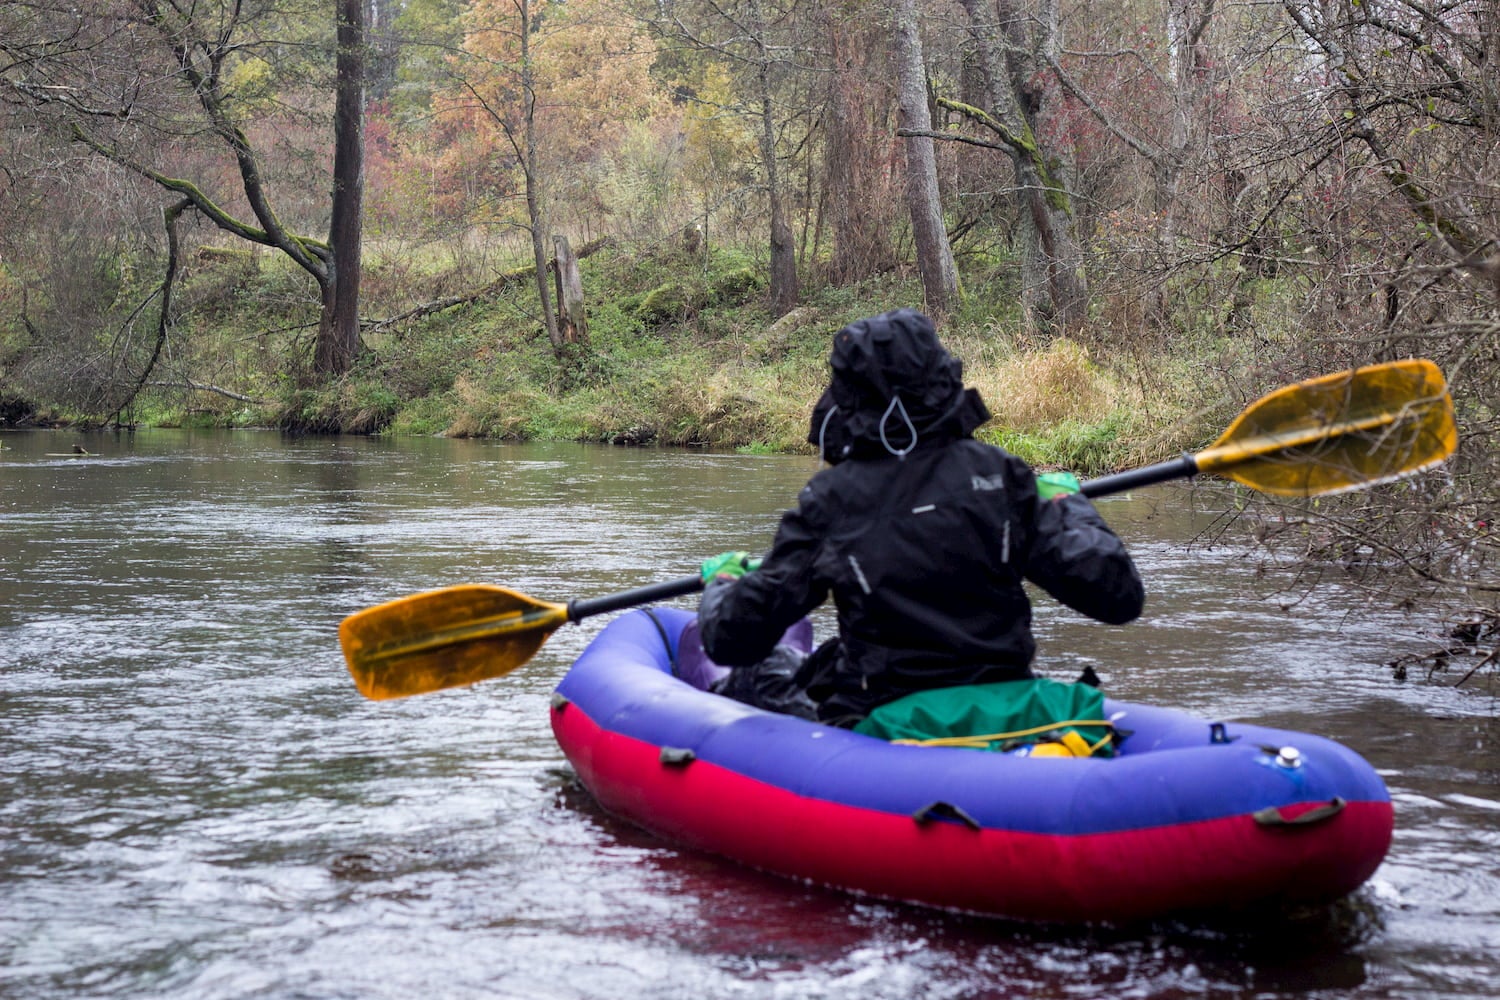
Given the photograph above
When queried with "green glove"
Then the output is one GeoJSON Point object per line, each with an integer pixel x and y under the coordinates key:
{"type": "Point", "coordinates": [1051, 485]}
{"type": "Point", "coordinates": [731, 564]}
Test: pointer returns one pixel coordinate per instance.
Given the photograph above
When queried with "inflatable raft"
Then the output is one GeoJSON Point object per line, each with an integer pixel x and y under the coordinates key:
{"type": "Point", "coordinates": [1191, 815]}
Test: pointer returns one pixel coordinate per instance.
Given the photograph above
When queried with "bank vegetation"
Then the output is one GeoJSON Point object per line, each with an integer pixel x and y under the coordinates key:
{"type": "Point", "coordinates": [640, 223]}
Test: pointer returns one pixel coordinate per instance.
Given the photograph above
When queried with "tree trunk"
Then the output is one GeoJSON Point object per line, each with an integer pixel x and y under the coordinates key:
{"type": "Point", "coordinates": [536, 214]}
{"type": "Point", "coordinates": [536, 200]}
{"type": "Point", "coordinates": [923, 200]}
{"type": "Point", "coordinates": [1185, 23]}
{"type": "Point", "coordinates": [385, 47]}
{"type": "Point", "coordinates": [338, 326]}
{"type": "Point", "coordinates": [783, 291]}
{"type": "Point", "coordinates": [1054, 286]}
{"type": "Point", "coordinates": [572, 323]}
{"type": "Point", "coordinates": [859, 177]}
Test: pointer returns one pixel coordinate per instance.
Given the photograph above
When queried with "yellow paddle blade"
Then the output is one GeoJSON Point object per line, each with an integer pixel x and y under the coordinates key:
{"type": "Point", "coordinates": [444, 638]}
{"type": "Point", "coordinates": [1339, 432]}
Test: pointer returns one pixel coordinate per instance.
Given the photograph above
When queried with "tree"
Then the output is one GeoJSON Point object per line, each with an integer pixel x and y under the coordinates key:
{"type": "Point", "coordinates": [338, 325]}
{"type": "Point", "coordinates": [784, 287]}
{"type": "Point", "coordinates": [861, 168]}
{"type": "Point", "coordinates": [1399, 130]}
{"type": "Point", "coordinates": [504, 85]}
{"type": "Point", "coordinates": [924, 203]}
{"type": "Point", "coordinates": [1417, 89]}
{"type": "Point", "coordinates": [759, 41]}
{"type": "Point", "coordinates": [1130, 105]}
{"type": "Point", "coordinates": [425, 34]}
{"type": "Point", "coordinates": [381, 29]}
{"type": "Point", "coordinates": [1151, 90]}
{"type": "Point", "coordinates": [540, 84]}
{"type": "Point", "coordinates": [1010, 45]}
{"type": "Point", "coordinates": [142, 82]}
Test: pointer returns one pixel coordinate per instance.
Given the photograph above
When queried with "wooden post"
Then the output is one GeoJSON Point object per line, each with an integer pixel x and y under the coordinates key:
{"type": "Point", "coordinates": [572, 325]}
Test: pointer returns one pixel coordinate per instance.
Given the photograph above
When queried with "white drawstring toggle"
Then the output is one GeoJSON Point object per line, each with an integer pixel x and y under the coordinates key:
{"type": "Point", "coordinates": [911, 429]}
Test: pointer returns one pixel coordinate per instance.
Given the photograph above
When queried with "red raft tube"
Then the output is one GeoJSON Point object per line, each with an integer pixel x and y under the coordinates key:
{"type": "Point", "coordinates": [1192, 815]}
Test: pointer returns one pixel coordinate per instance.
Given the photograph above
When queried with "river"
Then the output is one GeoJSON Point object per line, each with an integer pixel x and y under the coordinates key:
{"type": "Point", "coordinates": [195, 802]}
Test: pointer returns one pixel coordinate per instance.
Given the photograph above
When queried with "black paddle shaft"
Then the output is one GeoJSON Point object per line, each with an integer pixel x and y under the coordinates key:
{"type": "Point", "coordinates": [579, 609]}
{"type": "Point", "coordinates": [1161, 472]}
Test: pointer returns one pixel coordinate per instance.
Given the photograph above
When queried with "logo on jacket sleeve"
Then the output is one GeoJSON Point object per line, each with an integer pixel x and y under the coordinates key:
{"type": "Point", "coordinates": [995, 482]}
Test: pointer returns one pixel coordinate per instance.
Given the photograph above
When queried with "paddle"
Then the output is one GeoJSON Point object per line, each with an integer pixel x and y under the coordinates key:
{"type": "Point", "coordinates": [473, 632]}
{"type": "Point", "coordinates": [1325, 435]}
{"type": "Point", "coordinates": [1332, 434]}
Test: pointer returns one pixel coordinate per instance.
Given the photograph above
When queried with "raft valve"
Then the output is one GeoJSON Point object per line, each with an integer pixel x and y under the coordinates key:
{"type": "Point", "coordinates": [1289, 758]}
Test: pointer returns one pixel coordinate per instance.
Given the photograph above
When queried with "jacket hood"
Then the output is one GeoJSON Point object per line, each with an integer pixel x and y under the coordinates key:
{"type": "Point", "coordinates": [894, 387]}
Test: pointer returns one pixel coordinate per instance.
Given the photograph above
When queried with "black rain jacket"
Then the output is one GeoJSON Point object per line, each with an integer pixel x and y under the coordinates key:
{"type": "Point", "coordinates": [921, 534]}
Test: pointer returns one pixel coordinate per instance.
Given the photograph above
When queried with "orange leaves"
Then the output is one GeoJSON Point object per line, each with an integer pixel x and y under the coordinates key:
{"type": "Point", "coordinates": [579, 70]}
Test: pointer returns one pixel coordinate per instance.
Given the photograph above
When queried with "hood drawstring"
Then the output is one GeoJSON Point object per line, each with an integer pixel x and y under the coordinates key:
{"type": "Point", "coordinates": [911, 429]}
{"type": "Point", "coordinates": [823, 434]}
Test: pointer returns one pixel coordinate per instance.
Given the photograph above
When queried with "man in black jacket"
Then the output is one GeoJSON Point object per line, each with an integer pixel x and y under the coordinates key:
{"type": "Point", "coordinates": [922, 534]}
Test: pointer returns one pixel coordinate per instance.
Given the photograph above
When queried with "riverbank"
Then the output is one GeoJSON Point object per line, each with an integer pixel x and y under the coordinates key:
{"type": "Point", "coordinates": [679, 353]}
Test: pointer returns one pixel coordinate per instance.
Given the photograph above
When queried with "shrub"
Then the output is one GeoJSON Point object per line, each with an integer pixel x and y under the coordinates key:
{"type": "Point", "coordinates": [1040, 389]}
{"type": "Point", "coordinates": [667, 303]}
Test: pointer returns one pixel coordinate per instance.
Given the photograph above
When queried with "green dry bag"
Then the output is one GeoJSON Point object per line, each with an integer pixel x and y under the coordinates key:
{"type": "Point", "coordinates": [1040, 717]}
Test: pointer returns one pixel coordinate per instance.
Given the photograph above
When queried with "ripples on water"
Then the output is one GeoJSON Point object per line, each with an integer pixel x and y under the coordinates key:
{"type": "Point", "coordinates": [195, 803]}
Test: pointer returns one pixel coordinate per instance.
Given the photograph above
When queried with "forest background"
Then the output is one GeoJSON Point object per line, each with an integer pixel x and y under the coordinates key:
{"type": "Point", "coordinates": [640, 221]}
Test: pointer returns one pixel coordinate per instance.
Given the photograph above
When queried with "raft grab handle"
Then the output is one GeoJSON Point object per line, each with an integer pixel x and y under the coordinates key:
{"type": "Point", "coordinates": [1274, 816]}
{"type": "Point", "coordinates": [677, 756]}
{"type": "Point", "coordinates": [946, 811]}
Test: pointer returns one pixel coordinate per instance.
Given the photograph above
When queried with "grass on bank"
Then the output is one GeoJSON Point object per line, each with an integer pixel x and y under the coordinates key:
{"type": "Point", "coordinates": [681, 352]}
{"type": "Point", "coordinates": [1053, 405]}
